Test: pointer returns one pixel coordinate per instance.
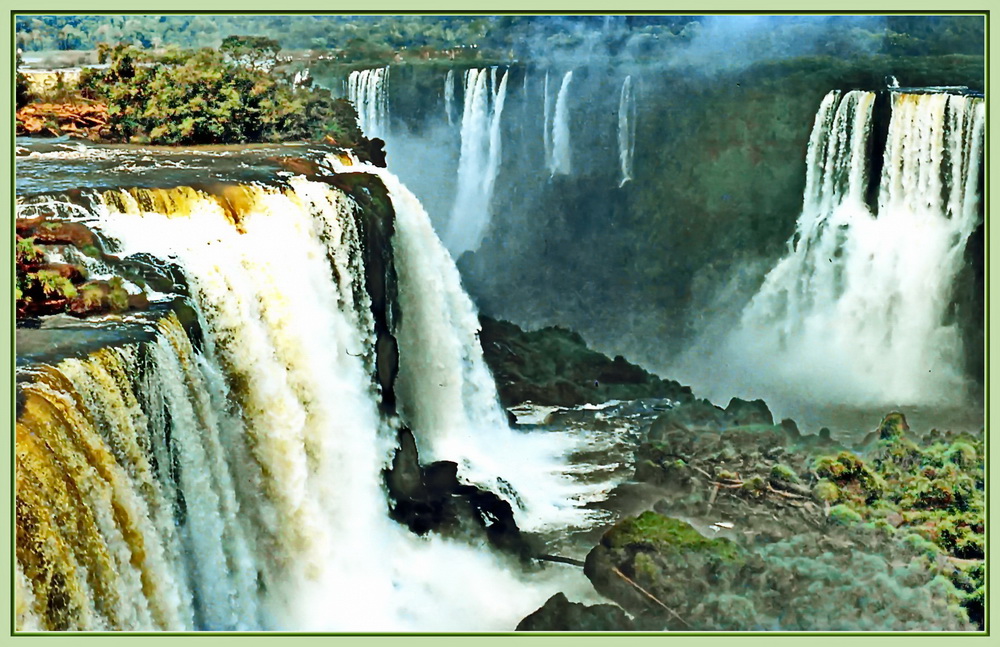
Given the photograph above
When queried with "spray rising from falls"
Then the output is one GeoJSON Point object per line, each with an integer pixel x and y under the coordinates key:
{"type": "Point", "coordinates": [626, 130]}
{"type": "Point", "coordinates": [366, 89]}
{"type": "Point", "coordinates": [236, 483]}
{"type": "Point", "coordinates": [559, 161]}
{"type": "Point", "coordinates": [858, 311]}
{"type": "Point", "coordinates": [479, 162]}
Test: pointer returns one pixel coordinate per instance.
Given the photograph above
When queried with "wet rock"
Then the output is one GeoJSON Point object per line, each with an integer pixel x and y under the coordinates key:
{"type": "Point", "coordinates": [559, 614]}
{"type": "Point", "coordinates": [652, 564]}
{"type": "Point", "coordinates": [554, 366]}
{"type": "Point", "coordinates": [744, 413]}
{"type": "Point", "coordinates": [432, 499]}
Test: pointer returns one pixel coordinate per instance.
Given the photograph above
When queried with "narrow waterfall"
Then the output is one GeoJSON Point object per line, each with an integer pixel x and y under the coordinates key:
{"type": "Point", "coordinates": [858, 310]}
{"type": "Point", "coordinates": [479, 161]}
{"type": "Point", "coordinates": [626, 130]}
{"type": "Point", "coordinates": [560, 162]}
{"type": "Point", "coordinates": [366, 89]}
{"type": "Point", "coordinates": [236, 483]}
{"type": "Point", "coordinates": [449, 95]}
{"type": "Point", "coordinates": [547, 121]}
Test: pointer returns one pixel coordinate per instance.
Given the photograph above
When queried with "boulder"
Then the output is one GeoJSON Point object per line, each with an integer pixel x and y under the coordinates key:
{"type": "Point", "coordinates": [559, 614]}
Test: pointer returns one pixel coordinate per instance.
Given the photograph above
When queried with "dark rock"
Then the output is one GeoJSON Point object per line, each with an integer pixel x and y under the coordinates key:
{"type": "Point", "coordinates": [405, 480]}
{"type": "Point", "coordinates": [559, 614]}
{"type": "Point", "coordinates": [791, 429]}
{"type": "Point", "coordinates": [743, 412]}
{"type": "Point", "coordinates": [433, 499]}
{"type": "Point", "coordinates": [554, 366]}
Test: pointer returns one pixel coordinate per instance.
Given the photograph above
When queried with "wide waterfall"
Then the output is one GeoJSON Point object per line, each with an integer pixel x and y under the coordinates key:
{"type": "Point", "coordinates": [480, 159]}
{"type": "Point", "coordinates": [366, 89]}
{"type": "Point", "coordinates": [859, 310]}
{"type": "Point", "coordinates": [235, 483]}
{"type": "Point", "coordinates": [626, 129]}
{"type": "Point", "coordinates": [560, 160]}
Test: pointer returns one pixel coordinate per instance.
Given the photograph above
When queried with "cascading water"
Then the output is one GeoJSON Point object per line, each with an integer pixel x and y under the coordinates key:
{"type": "Point", "coordinates": [858, 310]}
{"type": "Point", "coordinates": [237, 485]}
{"type": "Point", "coordinates": [449, 95]}
{"type": "Point", "coordinates": [366, 89]}
{"type": "Point", "coordinates": [446, 393]}
{"type": "Point", "coordinates": [626, 130]}
{"type": "Point", "coordinates": [560, 161]}
{"type": "Point", "coordinates": [479, 162]}
{"type": "Point", "coordinates": [547, 121]}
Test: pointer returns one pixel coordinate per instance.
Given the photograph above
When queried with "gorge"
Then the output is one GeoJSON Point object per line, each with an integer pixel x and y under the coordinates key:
{"type": "Point", "coordinates": [352, 396]}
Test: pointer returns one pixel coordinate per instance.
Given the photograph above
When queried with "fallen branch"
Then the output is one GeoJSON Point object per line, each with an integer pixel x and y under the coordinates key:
{"type": "Point", "coordinates": [649, 595]}
{"type": "Point", "coordinates": [560, 560]}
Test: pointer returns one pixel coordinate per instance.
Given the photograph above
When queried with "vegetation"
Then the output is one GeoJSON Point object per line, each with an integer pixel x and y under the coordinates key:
{"type": "Point", "coordinates": [212, 96]}
{"type": "Point", "coordinates": [357, 38]}
{"type": "Point", "coordinates": [898, 494]}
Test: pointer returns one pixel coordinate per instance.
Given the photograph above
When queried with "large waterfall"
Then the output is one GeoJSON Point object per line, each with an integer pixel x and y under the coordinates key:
{"type": "Point", "coordinates": [234, 483]}
{"type": "Point", "coordinates": [480, 159]}
{"type": "Point", "coordinates": [859, 308]}
{"type": "Point", "coordinates": [366, 89]}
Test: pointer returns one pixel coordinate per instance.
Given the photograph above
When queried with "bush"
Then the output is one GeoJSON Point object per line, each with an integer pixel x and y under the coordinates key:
{"type": "Point", "coordinates": [213, 97]}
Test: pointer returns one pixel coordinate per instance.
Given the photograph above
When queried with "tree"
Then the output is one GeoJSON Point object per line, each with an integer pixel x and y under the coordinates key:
{"type": "Point", "coordinates": [256, 52]}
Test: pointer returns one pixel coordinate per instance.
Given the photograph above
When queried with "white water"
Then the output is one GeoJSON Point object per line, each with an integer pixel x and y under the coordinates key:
{"type": "Point", "coordinates": [562, 152]}
{"type": "Point", "coordinates": [857, 311]}
{"type": "Point", "coordinates": [275, 432]}
{"type": "Point", "coordinates": [479, 162]}
{"type": "Point", "coordinates": [366, 89]}
{"type": "Point", "coordinates": [446, 393]}
{"type": "Point", "coordinates": [547, 122]}
{"type": "Point", "coordinates": [626, 130]}
{"type": "Point", "coordinates": [449, 94]}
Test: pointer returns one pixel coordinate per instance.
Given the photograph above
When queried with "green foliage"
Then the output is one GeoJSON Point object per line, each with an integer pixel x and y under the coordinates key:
{"type": "Point", "coordinates": [25, 251]}
{"type": "Point", "coordinates": [855, 479]}
{"type": "Point", "coordinates": [117, 295]}
{"type": "Point", "coordinates": [782, 472]}
{"type": "Point", "coordinates": [258, 52]}
{"type": "Point", "coordinates": [844, 515]}
{"type": "Point", "coordinates": [204, 98]}
{"type": "Point", "coordinates": [54, 284]}
{"type": "Point", "coordinates": [826, 491]}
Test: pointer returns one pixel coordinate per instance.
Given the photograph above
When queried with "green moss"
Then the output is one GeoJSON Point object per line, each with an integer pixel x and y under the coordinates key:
{"type": "Point", "coordinates": [844, 515]}
{"type": "Point", "coordinates": [669, 536]}
{"type": "Point", "coordinates": [826, 491]}
{"type": "Point", "coordinates": [782, 472]}
{"type": "Point", "coordinates": [754, 486]}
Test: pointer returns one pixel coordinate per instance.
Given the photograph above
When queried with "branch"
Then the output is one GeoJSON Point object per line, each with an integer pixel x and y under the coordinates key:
{"type": "Point", "coordinates": [649, 595]}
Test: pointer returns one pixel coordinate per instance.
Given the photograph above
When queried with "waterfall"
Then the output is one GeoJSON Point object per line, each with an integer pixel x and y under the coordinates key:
{"type": "Point", "coordinates": [626, 130]}
{"type": "Point", "coordinates": [559, 163]}
{"type": "Point", "coordinates": [366, 89]}
{"type": "Point", "coordinates": [449, 94]}
{"type": "Point", "coordinates": [858, 309]}
{"type": "Point", "coordinates": [479, 161]}
{"type": "Point", "coordinates": [547, 122]}
{"type": "Point", "coordinates": [445, 390]}
{"type": "Point", "coordinates": [236, 483]}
